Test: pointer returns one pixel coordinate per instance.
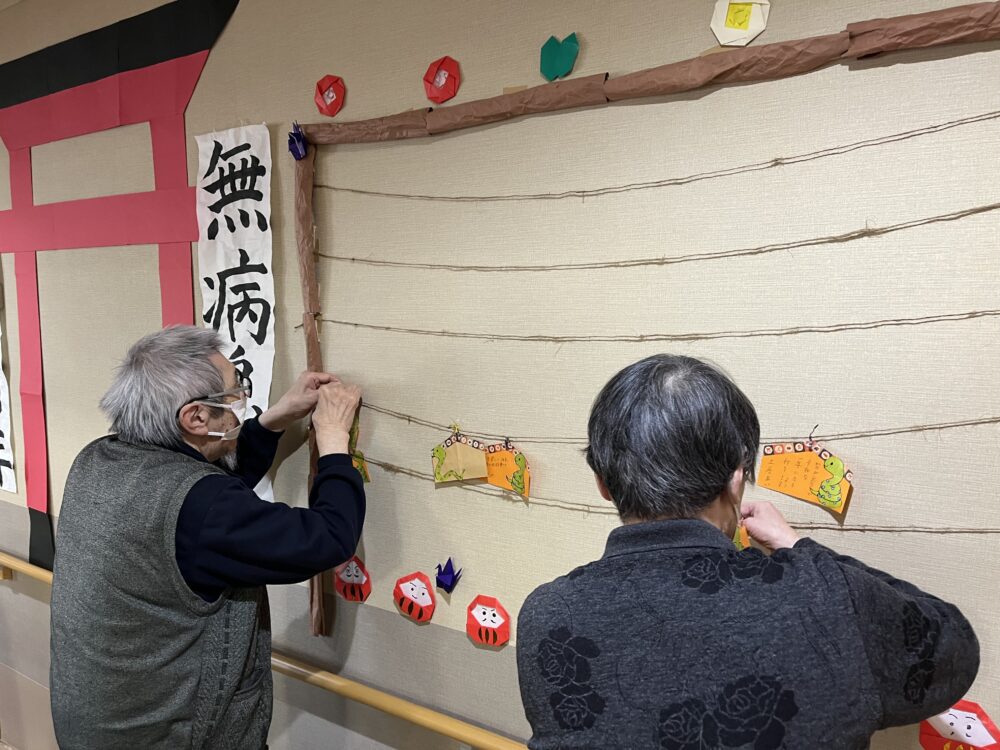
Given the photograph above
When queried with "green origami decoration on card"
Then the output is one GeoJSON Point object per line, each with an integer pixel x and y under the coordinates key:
{"type": "Point", "coordinates": [357, 457]}
{"type": "Point", "coordinates": [558, 58]}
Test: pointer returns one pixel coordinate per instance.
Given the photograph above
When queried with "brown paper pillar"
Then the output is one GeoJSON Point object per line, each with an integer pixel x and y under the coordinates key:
{"type": "Point", "coordinates": [322, 608]}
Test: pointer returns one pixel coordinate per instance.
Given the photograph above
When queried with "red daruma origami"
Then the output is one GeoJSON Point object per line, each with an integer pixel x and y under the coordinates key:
{"type": "Point", "coordinates": [330, 93]}
{"type": "Point", "coordinates": [352, 581]}
{"type": "Point", "coordinates": [488, 622]}
{"type": "Point", "coordinates": [414, 595]}
{"type": "Point", "coordinates": [964, 726]}
{"type": "Point", "coordinates": [442, 79]}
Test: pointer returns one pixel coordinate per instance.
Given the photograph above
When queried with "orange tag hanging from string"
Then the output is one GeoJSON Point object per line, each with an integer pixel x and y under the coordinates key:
{"type": "Point", "coordinates": [458, 459]}
{"type": "Point", "coordinates": [508, 468]}
{"type": "Point", "coordinates": [741, 539]}
{"type": "Point", "coordinates": [807, 471]}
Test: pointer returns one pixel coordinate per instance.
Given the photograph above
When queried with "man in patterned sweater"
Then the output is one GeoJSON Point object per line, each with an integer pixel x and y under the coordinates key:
{"type": "Point", "coordinates": [675, 640]}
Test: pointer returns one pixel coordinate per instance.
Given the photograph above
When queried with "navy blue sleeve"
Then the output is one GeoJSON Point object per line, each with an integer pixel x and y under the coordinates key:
{"type": "Point", "coordinates": [227, 536]}
{"type": "Point", "coordinates": [255, 449]}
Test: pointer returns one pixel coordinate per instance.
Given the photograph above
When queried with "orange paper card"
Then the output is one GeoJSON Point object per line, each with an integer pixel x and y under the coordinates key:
{"type": "Point", "coordinates": [807, 471]}
{"type": "Point", "coordinates": [741, 539]}
{"type": "Point", "coordinates": [508, 468]}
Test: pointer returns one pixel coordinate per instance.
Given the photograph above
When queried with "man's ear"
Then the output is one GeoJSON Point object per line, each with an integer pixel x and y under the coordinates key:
{"type": "Point", "coordinates": [603, 489]}
{"type": "Point", "coordinates": [193, 419]}
{"type": "Point", "coordinates": [734, 488]}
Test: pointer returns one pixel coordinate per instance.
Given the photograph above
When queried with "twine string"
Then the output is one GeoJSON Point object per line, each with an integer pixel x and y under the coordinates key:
{"type": "Point", "coordinates": [683, 180]}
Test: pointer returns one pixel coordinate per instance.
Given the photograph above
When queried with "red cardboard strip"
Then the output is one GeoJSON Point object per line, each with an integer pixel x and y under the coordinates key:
{"type": "Point", "coordinates": [159, 216]}
{"type": "Point", "coordinates": [36, 472]}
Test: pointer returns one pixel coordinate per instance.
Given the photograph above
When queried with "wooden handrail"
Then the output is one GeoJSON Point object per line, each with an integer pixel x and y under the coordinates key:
{"type": "Point", "coordinates": [435, 721]}
{"type": "Point", "coordinates": [390, 704]}
{"type": "Point", "coordinates": [18, 565]}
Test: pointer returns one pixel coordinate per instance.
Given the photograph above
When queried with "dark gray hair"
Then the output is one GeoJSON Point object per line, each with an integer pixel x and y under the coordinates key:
{"type": "Point", "coordinates": [666, 434]}
{"type": "Point", "coordinates": [160, 373]}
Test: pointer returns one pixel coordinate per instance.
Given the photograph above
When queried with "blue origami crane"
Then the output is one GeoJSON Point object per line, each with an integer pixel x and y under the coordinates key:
{"type": "Point", "coordinates": [447, 577]}
{"type": "Point", "coordinates": [297, 142]}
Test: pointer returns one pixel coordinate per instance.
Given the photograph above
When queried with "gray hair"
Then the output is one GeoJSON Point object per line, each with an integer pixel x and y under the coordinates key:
{"type": "Point", "coordinates": [666, 434]}
{"type": "Point", "coordinates": [160, 373]}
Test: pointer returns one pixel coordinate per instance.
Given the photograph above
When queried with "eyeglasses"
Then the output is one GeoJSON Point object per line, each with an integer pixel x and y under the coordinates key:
{"type": "Point", "coordinates": [243, 390]}
{"type": "Point", "coordinates": [238, 407]}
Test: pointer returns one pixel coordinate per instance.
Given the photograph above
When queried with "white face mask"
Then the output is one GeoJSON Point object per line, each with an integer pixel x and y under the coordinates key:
{"type": "Point", "coordinates": [239, 410]}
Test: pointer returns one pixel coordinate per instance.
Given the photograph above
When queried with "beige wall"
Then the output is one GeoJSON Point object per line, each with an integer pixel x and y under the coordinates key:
{"type": "Point", "coordinates": [263, 70]}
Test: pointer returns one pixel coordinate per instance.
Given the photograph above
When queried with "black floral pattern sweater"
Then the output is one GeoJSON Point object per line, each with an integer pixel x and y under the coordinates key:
{"type": "Point", "coordinates": [675, 640]}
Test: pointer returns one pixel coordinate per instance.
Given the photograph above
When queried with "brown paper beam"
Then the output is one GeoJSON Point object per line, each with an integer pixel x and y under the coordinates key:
{"type": "Point", "coordinates": [963, 23]}
{"type": "Point", "coordinates": [322, 608]}
{"type": "Point", "coordinates": [767, 62]}
{"type": "Point", "coordinates": [392, 128]}
{"type": "Point", "coordinates": [549, 97]}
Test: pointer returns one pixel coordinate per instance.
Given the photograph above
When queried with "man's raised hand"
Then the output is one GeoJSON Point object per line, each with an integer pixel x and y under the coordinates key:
{"type": "Point", "coordinates": [298, 402]}
{"type": "Point", "coordinates": [766, 526]}
{"type": "Point", "coordinates": [334, 416]}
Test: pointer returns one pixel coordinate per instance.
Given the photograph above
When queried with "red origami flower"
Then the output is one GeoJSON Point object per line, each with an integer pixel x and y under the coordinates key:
{"type": "Point", "coordinates": [330, 93]}
{"type": "Point", "coordinates": [442, 79]}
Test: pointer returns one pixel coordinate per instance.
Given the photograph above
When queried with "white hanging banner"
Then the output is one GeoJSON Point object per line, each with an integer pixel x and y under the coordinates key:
{"type": "Point", "coordinates": [8, 479]}
{"type": "Point", "coordinates": [234, 253]}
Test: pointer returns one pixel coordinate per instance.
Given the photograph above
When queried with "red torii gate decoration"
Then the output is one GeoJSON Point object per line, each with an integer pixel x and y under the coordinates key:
{"type": "Point", "coordinates": [141, 69]}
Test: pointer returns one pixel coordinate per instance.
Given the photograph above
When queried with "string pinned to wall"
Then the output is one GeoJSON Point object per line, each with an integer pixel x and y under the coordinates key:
{"type": "Point", "coordinates": [608, 510]}
{"type": "Point", "coordinates": [510, 496]}
{"type": "Point", "coordinates": [684, 180]}
{"type": "Point", "coordinates": [582, 441]}
{"type": "Point", "coordinates": [833, 239]}
{"type": "Point", "coordinates": [409, 418]}
{"type": "Point", "coordinates": [676, 337]}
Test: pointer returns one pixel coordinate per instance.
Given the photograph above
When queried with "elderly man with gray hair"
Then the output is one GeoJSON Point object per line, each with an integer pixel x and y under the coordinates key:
{"type": "Point", "coordinates": [675, 640]}
{"type": "Point", "coordinates": [160, 623]}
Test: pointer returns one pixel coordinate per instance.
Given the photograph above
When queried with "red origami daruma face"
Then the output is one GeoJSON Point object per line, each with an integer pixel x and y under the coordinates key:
{"type": "Point", "coordinates": [964, 726]}
{"type": "Point", "coordinates": [351, 580]}
{"type": "Point", "coordinates": [414, 595]}
{"type": "Point", "coordinates": [488, 622]}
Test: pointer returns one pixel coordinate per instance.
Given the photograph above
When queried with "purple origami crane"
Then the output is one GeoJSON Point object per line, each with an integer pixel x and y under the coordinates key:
{"type": "Point", "coordinates": [297, 142]}
{"type": "Point", "coordinates": [447, 577]}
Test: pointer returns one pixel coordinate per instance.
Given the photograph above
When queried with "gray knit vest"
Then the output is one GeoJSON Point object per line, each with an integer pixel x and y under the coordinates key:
{"type": "Point", "coordinates": [139, 661]}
